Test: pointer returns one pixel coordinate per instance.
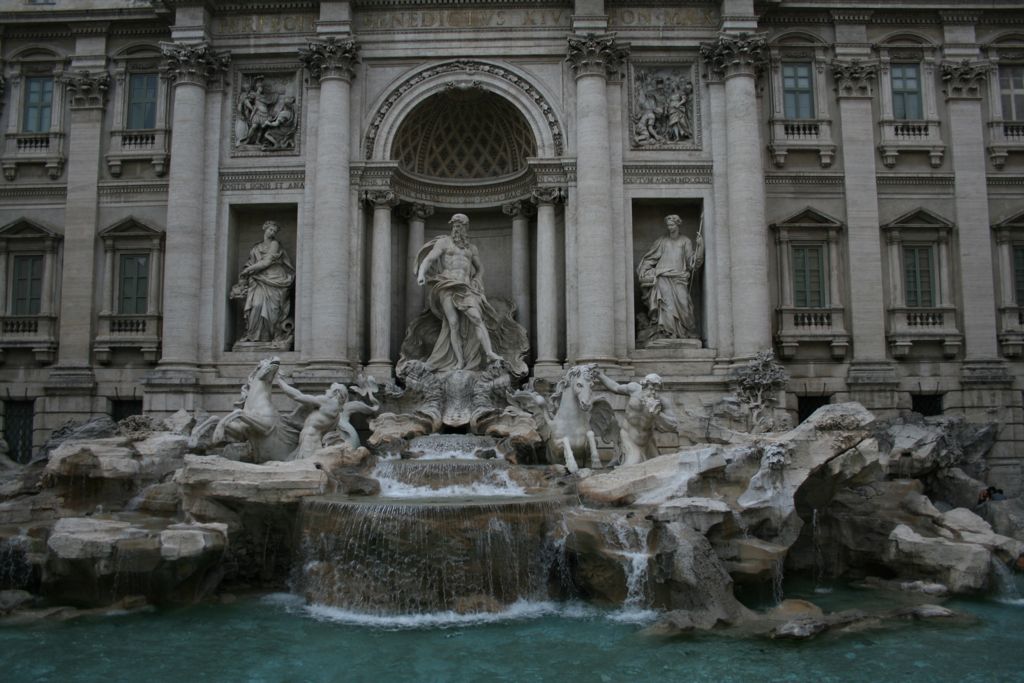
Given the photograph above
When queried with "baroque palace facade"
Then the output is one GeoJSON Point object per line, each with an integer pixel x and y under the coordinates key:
{"type": "Point", "coordinates": [189, 187]}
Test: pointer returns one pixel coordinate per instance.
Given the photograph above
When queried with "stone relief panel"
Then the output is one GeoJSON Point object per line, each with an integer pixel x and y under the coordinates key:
{"type": "Point", "coordinates": [663, 108]}
{"type": "Point", "coordinates": [266, 112]}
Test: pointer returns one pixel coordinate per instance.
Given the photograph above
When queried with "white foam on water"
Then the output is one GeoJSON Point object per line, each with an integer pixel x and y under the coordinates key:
{"type": "Point", "coordinates": [1015, 602]}
{"type": "Point", "coordinates": [633, 615]}
{"type": "Point", "coordinates": [518, 611]}
{"type": "Point", "coordinates": [496, 482]}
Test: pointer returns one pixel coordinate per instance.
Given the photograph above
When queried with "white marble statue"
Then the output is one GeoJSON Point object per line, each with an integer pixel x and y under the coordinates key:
{"type": "Point", "coordinates": [461, 329]}
{"type": "Point", "coordinates": [645, 411]}
{"type": "Point", "coordinates": [265, 284]}
{"type": "Point", "coordinates": [256, 419]}
{"type": "Point", "coordinates": [570, 421]}
{"type": "Point", "coordinates": [330, 412]}
{"type": "Point", "coordinates": [666, 272]}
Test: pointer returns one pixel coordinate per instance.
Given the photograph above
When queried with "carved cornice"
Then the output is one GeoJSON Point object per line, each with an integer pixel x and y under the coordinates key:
{"type": "Point", "coordinates": [854, 78]}
{"type": "Point", "coordinates": [330, 58]}
{"type": "Point", "coordinates": [380, 198]}
{"type": "Point", "coordinates": [730, 55]}
{"type": "Point", "coordinates": [963, 79]}
{"type": "Point", "coordinates": [596, 55]}
{"type": "Point", "coordinates": [262, 181]}
{"type": "Point", "coordinates": [417, 211]}
{"type": "Point", "coordinates": [654, 174]}
{"type": "Point", "coordinates": [467, 67]}
{"type": "Point", "coordinates": [37, 193]}
{"type": "Point", "coordinates": [88, 90]}
{"type": "Point", "coordinates": [548, 195]}
{"type": "Point", "coordinates": [516, 209]}
{"type": "Point", "coordinates": [196, 64]}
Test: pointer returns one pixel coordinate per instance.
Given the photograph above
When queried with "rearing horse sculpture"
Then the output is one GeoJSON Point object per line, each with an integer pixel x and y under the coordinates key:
{"type": "Point", "coordinates": [576, 419]}
{"type": "Point", "coordinates": [256, 420]}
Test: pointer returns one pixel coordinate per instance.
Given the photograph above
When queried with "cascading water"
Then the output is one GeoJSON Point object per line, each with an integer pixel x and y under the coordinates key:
{"type": "Point", "coordinates": [445, 534]}
{"type": "Point", "coordinates": [1006, 584]}
{"type": "Point", "coordinates": [819, 555]}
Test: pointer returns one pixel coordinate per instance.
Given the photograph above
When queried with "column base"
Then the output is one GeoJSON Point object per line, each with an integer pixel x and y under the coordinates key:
{"type": "Point", "coordinates": [547, 369]}
{"type": "Point", "coordinates": [380, 370]}
{"type": "Point", "coordinates": [324, 373]}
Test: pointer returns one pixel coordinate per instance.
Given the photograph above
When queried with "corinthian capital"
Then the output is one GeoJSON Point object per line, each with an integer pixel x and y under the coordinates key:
{"type": "Point", "coordinates": [197, 64]}
{"type": "Point", "coordinates": [744, 53]}
{"type": "Point", "coordinates": [854, 78]}
{"type": "Point", "coordinates": [548, 195]}
{"type": "Point", "coordinates": [963, 79]}
{"type": "Point", "coordinates": [380, 198]}
{"type": "Point", "coordinates": [596, 54]}
{"type": "Point", "coordinates": [88, 90]}
{"type": "Point", "coordinates": [517, 209]}
{"type": "Point", "coordinates": [418, 211]}
{"type": "Point", "coordinates": [330, 58]}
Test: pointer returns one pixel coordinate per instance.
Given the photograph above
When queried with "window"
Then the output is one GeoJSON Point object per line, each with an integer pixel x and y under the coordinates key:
{"type": "Point", "coordinates": [797, 91]}
{"type": "Point", "coordinates": [809, 280]}
{"type": "Point", "coordinates": [1018, 274]}
{"type": "Point", "coordinates": [134, 285]}
{"type": "Point", "coordinates": [38, 102]}
{"type": "Point", "coordinates": [142, 94]}
{"type": "Point", "coordinates": [906, 91]}
{"type": "Point", "coordinates": [18, 417]}
{"type": "Point", "coordinates": [27, 289]}
{"type": "Point", "coordinates": [1011, 91]}
{"type": "Point", "coordinates": [919, 277]}
{"type": "Point", "coordinates": [927, 405]}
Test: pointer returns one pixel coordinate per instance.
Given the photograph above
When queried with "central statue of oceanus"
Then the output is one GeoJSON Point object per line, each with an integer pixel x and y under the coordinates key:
{"type": "Point", "coordinates": [460, 328]}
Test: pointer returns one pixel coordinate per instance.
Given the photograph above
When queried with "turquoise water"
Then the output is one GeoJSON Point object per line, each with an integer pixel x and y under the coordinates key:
{"type": "Point", "coordinates": [276, 638]}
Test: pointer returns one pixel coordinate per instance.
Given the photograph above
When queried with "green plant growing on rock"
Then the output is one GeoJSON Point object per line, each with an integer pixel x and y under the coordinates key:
{"type": "Point", "coordinates": [757, 385]}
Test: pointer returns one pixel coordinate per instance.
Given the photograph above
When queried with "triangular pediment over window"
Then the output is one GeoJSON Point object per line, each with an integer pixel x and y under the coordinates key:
{"type": "Point", "coordinates": [130, 227]}
{"type": "Point", "coordinates": [920, 218]}
{"type": "Point", "coordinates": [809, 217]}
{"type": "Point", "coordinates": [1014, 222]}
{"type": "Point", "coordinates": [25, 229]}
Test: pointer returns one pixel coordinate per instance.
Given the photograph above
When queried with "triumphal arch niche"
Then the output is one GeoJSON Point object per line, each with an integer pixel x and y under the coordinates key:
{"type": "Point", "coordinates": [482, 140]}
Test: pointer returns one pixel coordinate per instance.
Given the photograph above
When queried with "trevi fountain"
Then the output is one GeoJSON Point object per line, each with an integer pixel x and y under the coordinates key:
{"type": "Point", "coordinates": [475, 522]}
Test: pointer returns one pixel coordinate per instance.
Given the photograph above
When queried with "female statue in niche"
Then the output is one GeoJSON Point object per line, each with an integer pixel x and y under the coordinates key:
{"type": "Point", "coordinates": [666, 273]}
{"type": "Point", "coordinates": [265, 284]}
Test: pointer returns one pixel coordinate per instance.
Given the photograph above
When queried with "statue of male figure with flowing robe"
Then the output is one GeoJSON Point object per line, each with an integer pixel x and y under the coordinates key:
{"type": "Point", "coordinates": [461, 328]}
{"type": "Point", "coordinates": [265, 284]}
{"type": "Point", "coordinates": [666, 272]}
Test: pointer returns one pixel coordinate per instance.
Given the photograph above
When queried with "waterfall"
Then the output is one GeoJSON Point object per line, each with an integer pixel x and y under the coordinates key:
{"type": "Point", "coordinates": [819, 555]}
{"type": "Point", "coordinates": [15, 568]}
{"type": "Point", "coordinates": [630, 542]}
{"type": "Point", "coordinates": [445, 478]}
{"type": "Point", "coordinates": [1006, 584]}
{"type": "Point", "coordinates": [777, 575]}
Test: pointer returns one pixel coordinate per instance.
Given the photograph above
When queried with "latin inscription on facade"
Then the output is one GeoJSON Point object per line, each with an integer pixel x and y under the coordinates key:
{"type": "Point", "coordinates": [264, 23]}
{"type": "Point", "coordinates": [662, 17]}
{"type": "Point", "coordinates": [462, 18]}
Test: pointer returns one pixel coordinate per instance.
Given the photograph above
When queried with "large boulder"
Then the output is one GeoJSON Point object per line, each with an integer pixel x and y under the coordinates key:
{"type": "Point", "coordinates": [963, 567]}
{"type": "Point", "coordinates": [99, 560]}
{"type": "Point", "coordinates": [1005, 516]}
{"type": "Point", "coordinates": [100, 427]}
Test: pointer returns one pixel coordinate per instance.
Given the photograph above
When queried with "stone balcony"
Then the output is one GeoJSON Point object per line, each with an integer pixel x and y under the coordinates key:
{"type": "Point", "coordinates": [1011, 336]}
{"type": "Point", "coordinates": [802, 134]}
{"type": "Point", "coordinates": [36, 333]}
{"type": "Point", "coordinates": [139, 145]}
{"type": "Point", "coordinates": [1004, 137]}
{"type": "Point", "coordinates": [33, 148]}
{"type": "Point", "coordinates": [909, 326]}
{"type": "Point", "coordinates": [811, 325]}
{"type": "Point", "coordinates": [911, 136]}
{"type": "Point", "coordinates": [118, 331]}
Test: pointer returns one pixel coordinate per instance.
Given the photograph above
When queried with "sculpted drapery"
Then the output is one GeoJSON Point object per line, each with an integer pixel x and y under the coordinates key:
{"type": "Point", "coordinates": [265, 283]}
{"type": "Point", "coordinates": [666, 272]}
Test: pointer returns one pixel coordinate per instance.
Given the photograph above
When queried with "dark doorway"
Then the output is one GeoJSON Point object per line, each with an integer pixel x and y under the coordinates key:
{"type": "Point", "coordinates": [122, 408]}
{"type": "Point", "coordinates": [18, 418]}
{"type": "Point", "coordinates": [806, 405]}
{"type": "Point", "coordinates": [926, 404]}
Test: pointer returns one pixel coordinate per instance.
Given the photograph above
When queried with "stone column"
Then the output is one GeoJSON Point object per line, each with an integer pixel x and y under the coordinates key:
{"type": "Point", "coordinates": [736, 59]}
{"type": "Point", "coordinates": [190, 67]}
{"type": "Point", "coordinates": [854, 88]}
{"type": "Point", "coordinates": [547, 361]}
{"type": "Point", "coordinates": [963, 82]}
{"type": "Point", "coordinates": [380, 283]}
{"type": "Point", "coordinates": [417, 215]}
{"type": "Point", "coordinates": [592, 57]}
{"type": "Point", "coordinates": [88, 90]}
{"type": "Point", "coordinates": [331, 62]}
{"type": "Point", "coordinates": [520, 213]}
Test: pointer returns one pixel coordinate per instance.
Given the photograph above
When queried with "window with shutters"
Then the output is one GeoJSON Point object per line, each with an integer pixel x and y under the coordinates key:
{"type": "Point", "coordinates": [130, 319]}
{"type": "Point", "coordinates": [809, 315]}
{"type": "Point", "coordinates": [38, 104]}
{"type": "Point", "coordinates": [918, 276]}
{"type": "Point", "coordinates": [134, 284]}
{"type": "Point", "coordinates": [1011, 91]}
{"type": "Point", "coordinates": [797, 90]}
{"type": "Point", "coordinates": [1009, 262]}
{"type": "Point", "coordinates": [907, 100]}
{"type": "Point", "coordinates": [27, 284]}
{"type": "Point", "coordinates": [800, 98]}
{"type": "Point", "coordinates": [1005, 98]}
{"type": "Point", "coordinates": [142, 101]}
{"type": "Point", "coordinates": [28, 294]}
{"type": "Point", "coordinates": [906, 91]}
{"type": "Point", "coordinates": [922, 308]}
{"type": "Point", "coordinates": [809, 276]}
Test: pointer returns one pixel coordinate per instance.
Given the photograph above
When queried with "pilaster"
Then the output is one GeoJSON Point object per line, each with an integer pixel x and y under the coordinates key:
{"type": "Point", "coordinates": [548, 363]}
{"type": "Point", "coordinates": [416, 215]}
{"type": "Point", "coordinates": [520, 213]}
{"type": "Point", "coordinates": [382, 202]}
